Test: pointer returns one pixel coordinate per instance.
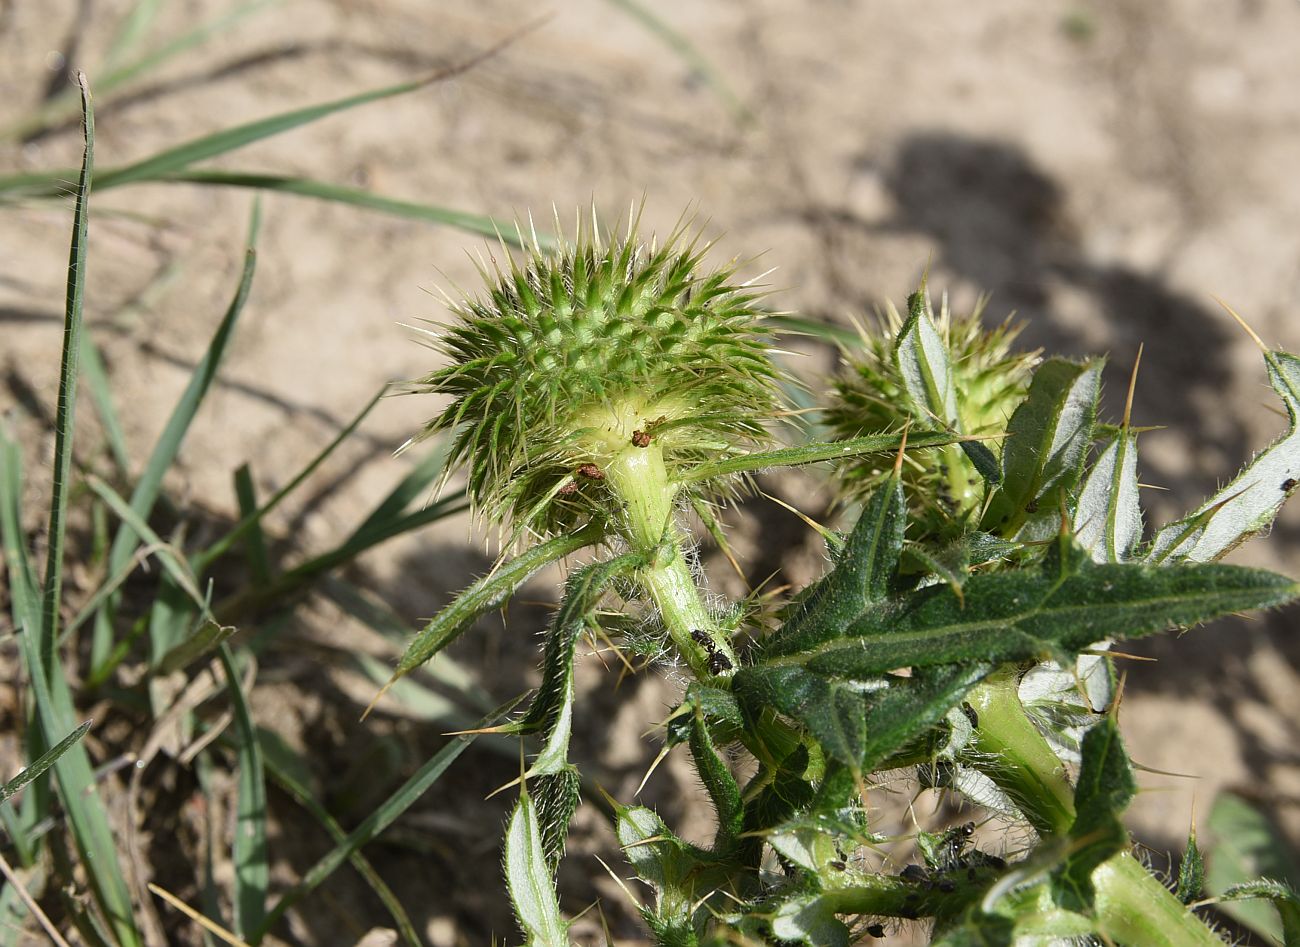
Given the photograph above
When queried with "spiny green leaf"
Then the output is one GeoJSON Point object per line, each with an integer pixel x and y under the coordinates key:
{"type": "Point", "coordinates": [810, 921]}
{"type": "Point", "coordinates": [1020, 615]}
{"type": "Point", "coordinates": [860, 578]}
{"type": "Point", "coordinates": [552, 708]}
{"type": "Point", "coordinates": [557, 795]}
{"type": "Point", "coordinates": [532, 889]}
{"type": "Point", "coordinates": [1104, 790]}
{"type": "Point", "coordinates": [1191, 871]}
{"type": "Point", "coordinates": [923, 364]}
{"type": "Point", "coordinates": [1108, 518]}
{"type": "Point", "coordinates": [1250, 502]}
{"type": "Point", "coordinates": [1049, 438]}
{"type": "Point", "coordinates": [718, 782]}
{"type": "Point", "coordinates": [1284, 899]}
{"type": "Point", "coordinates": [488, 593]}
{"type": "Point", "coordinates": [815, 453]}
{"type": "Point", "coordinates": [833, 711]}
{"type": "Point", "coordinates": [858, 723]}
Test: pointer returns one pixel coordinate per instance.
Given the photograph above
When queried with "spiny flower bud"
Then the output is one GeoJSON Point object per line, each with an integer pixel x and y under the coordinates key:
{"type": "Point", "coordinates": [989, 378]}
{"type": "Point", "coordinates": [580, 354]}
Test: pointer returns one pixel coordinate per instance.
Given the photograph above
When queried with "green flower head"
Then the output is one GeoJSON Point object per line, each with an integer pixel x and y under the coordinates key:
{"type": "Point", "coordinates": [989, 379]}
{"type": "Point", "coordinates": [577, 355]}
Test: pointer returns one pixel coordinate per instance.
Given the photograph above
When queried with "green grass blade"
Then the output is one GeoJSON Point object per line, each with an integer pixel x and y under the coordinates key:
{"type": "Point", "coordinates": [85, 811]}
{"type": "Point", "coordinates": [172, 561]}
{"type": "Point", "coordinates": [677, 41]}
{"type": "Point", "coordinates": [356, 197]}
{"type": "Point", "coordinates": [816, 453]}
{"type": "Point", "coordinates": [46, 760]}
{"type": "Point", "coordinates": [96, 379]}
{"type": "Point", "coordinates": [227, 140]}
{"type": "Point", "coordinates": [24, 590]}
{"type": "Point", "coordinates": [258, 562]}
{"type": "Point", "coordinates": [115, 73]}
{"type": "Point", "coordinates": [149, 485]}
{"type": "Point", "coordinates": [180, 157]}
{"type": "Point", "coordinates": [251, 520]}
{"type": "Point", "coordinates": [376, 822]}
{"type": "Point", "coordinates": [282, 765]}
{"type": "Point", "coordinates": [66, 409]}
{"type": "Point", "coordinates": [133, 29]}
{"type": "Point", "coordinates": [252, 868]}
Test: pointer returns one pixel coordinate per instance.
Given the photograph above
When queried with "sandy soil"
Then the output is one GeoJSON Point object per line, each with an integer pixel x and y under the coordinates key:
{"type": "Point", "coordinates": [1102, 168]}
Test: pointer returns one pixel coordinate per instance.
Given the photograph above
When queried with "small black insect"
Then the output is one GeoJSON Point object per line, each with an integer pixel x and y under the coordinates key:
{"type": "Point", "coordinates": [1031, 506]}
{"type": "Point", "coordinates": [1288, 484]}
{"type": "Point", "coordinates": [719, 663]}
{"type": "Point", "coordinates": [971, 714]}
{"type": "Point", "coordinates": [915, 874]}
{"type": "Point", "coordinates": [875, 930]}
{"type": "Point", "coordinates": [838, 865]}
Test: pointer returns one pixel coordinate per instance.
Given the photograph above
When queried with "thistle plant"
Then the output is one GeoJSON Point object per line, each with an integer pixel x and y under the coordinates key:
{"type": "Point", "coordinates": [603, 393]}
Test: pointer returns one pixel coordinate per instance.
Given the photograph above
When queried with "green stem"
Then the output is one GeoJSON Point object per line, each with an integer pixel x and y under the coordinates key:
{"type": "Point", "coordinates": [1017, 757]}
{"type": "Point", "coordinates": [638, 477]}
{"type": "Point", "coordinates": [1131, 905]}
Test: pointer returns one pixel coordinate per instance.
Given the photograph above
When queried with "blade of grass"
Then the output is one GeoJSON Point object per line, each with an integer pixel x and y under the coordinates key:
{"type": "Point", "coordinates": [76, 779]}
{"type": "Point", "coordinates": [172, 561]}
{"type": "Point", "coordinates": [133, 28]}
{"type": "Point", "coordinates": [202, 560]}
{"type": "Point", "coordinates": [384, 816]}
{"type": "Point", "coordinates": [284, 585]}
{"type": "Point", "coordinates": [356, 197]}
{"type": "Point", "coordinates": [280, 763]}
{"type": "Point", "coordinates": [165, 450]}
{"type": "Point", "coordinates": [252, 868]}
{"type": "Point", "coordinates": [258, 563]}
{"type": "Point", "coordinates": [92, 371]}
{"type": "Point", "coordinates": [816, 453]}
{"type": "Point", "coordinates": [59, 108]}
{"type": "Point", "coordinates": [180, 157]}
{"type": "Point", "coordinates": [47, 759]}
{"type": "Point", "coordinates": [825, 331]}
{"type": "Point", "coordinates": [675, 40]}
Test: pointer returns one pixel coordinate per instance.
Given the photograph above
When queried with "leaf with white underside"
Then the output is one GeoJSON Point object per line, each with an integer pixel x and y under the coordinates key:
{"type": "Point", "coordinates": [1048, 439]}
{"type": "Point", "coordinates": [532, 889]}
{"type": "Point", "coordinates": [1108, 518]}
{"type": "Point", "coordinates": [1249, 503]}
{"type": "Point", "coordinates": [923, 363]}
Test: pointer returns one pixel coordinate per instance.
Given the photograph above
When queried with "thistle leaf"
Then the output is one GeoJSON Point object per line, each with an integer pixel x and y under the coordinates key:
{"type": "Point", "coordinates": [488, 593]}
{"type": "Point", "coordinates": [810, 921]}
{"type": "Point", "coordinates": [866, 564]}
{"type": "Point", "coordinates": [923, 364]}
{"type": "Point", "coordinates": [1054, 611]}
{"type": "Point", "coordinates": [532, 889]}
{"type": "Point", "coordinates": [860, 723]}
{"type": "Point", "coordinates": [552, 709]}
{"type": "Point", "coordinates": [1049, 438]}
{"type": "Point", "coordinates": [1250, 502]}
{"type": "Point", "coordinates": [1108, 518]}
{"type": "Point", "coordinates": [1105, 788]}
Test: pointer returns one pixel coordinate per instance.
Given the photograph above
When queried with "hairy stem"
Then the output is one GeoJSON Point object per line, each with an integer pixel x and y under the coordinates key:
{"type": "Point", "coordinates": [1131, 904]}
{"type": "Point", "coordinates": [638, 477]}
